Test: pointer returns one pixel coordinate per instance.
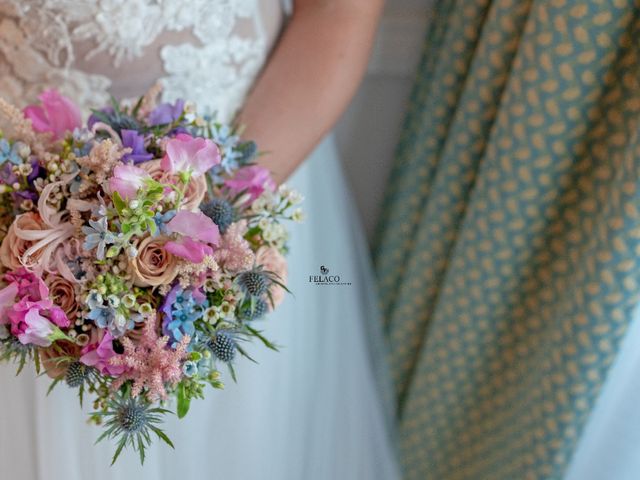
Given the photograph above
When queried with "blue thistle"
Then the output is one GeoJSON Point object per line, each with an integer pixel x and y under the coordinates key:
{"type": "Point", "coordinates": [220, 211]}
{"type": "Point", "coordinates": [223, 346]}
{"type": "Point", "coordinates": [131, 421]}
{"type": "Point", "coordinates": [254, 282]}
{"type": "Point", "coordinates": [253, 310]}
{"type": "Point", "coordinates": [77, 374]}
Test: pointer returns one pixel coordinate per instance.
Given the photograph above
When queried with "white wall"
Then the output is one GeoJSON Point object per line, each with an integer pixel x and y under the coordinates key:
{"type": "Point", "coordinates": [368, 132]}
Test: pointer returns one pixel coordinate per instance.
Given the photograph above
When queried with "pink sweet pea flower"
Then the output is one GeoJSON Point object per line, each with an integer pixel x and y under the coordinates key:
{"type": "Point", "coordinates": [198, 233]}
{"type": "Point", "coordinates": [7, 299]}
{"type": "Point", "coordinates": [31, 327]}
{"type": "Point", "coordinates": [37, 329]}
{"type": "Point", "coordinates": [189, 249]}
{"type": "Point", "coordinates": [186, 154]}
{"type": "Point", "coordinates": [29, 285]}
{"type": "Point", "coordinates": [253, 180]}
{"type": "Point", "coordinates": [57, 114]}
{"type": "Point", "coordinates": [98, 355]}
{"type": "Point", "coordinates": [127, 180]}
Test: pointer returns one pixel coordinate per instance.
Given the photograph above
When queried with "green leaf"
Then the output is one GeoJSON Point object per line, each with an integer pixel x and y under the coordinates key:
{"type": "Point", "coordinates": [162, 436]}
{"type": "Point", "coordinates": [259, 335]}
{"type": "Point", "coordinates": [184, 401]}
{"type": "Point", "coordinates": [52, 386]}
{"type": "Point", "coordinates": [141, 449]}
{"type": "Point", "coordinates": [118, 202]}
{"type": "Point", "coordinates": [119, 450]}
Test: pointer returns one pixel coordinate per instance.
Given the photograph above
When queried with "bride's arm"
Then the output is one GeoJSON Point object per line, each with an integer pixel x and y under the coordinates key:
{"type": "Point", "coordinates": [310, 78]}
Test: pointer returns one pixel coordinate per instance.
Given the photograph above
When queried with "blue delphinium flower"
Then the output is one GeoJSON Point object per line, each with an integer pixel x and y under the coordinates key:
{"type": "Point", "coordinates": [9, 153]}
{"type": "Point", "coordinates": [161, 219]}
{"type": "Point", "coordinates": [190, 368]}
{"type": "Point", "coordinates": [98, 236]}
{"type": "Point", "coordinates": [107, 315]}
{"type": "Point", "coordinates": [181, 309]}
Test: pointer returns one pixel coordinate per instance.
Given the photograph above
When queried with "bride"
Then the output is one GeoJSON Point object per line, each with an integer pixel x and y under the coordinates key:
{"type": "Point", "coordinates": [315, 410]}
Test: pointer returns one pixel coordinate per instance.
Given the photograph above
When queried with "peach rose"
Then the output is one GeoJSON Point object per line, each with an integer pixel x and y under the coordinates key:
{"type": "Point", "coordinates": [196, 188]}
{"type": "Point", "coordinates": [63, 293]}
{"type": "Point", "coordinates": [272, 260]}
{"type": "Point", "coordinates": [12, 248]}
{"type": "Point", "coordinates": [49, 357]}
{"type": "Point", "coordinates": [153, 265]}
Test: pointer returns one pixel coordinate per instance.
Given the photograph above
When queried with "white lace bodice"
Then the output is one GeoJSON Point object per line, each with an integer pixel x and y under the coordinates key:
{"type": "Point", "coordinates": [207, 51]}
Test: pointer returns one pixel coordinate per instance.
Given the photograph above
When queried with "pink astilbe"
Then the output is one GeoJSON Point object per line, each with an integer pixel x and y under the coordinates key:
{"type": "Point", "coordinates": [234, 253]}
{"type": "Point", "coordinates": [150, 362]}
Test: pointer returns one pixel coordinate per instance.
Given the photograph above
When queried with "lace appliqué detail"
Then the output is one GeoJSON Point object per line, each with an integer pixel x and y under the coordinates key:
{"type": "Point", "coordinates": [215, 70]}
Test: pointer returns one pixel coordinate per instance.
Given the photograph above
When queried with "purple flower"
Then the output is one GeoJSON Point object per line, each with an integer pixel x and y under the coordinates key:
{"type": "Point", "coordinates": [6, 174]}
{"type": "Point", "coordinates": [166, 113]}
{"type": "Point", "coordinates": [135, 141]}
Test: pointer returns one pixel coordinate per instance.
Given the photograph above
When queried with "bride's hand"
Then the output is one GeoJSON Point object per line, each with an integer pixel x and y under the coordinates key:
{"type": "Point", "coordinates": [310, 78]}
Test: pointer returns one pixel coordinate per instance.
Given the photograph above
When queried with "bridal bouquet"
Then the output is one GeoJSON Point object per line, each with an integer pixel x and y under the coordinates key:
{"type": "Point", "coordinates": [137, 252]}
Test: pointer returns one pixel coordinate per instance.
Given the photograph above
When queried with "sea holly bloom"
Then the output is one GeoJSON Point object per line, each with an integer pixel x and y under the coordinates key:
{"type": "Point", "coordinates": [135, 141]}
{"type": "Point", "coordinates": [198, 233]}
{"type": "Point", "coordinates": [253, 180]}
{"type": "Point", "coordinates": [57, 114]}
{"type": "Point", "coordinates": [189, 156]}
{"type": "Point", "coordinates": [127, 180]}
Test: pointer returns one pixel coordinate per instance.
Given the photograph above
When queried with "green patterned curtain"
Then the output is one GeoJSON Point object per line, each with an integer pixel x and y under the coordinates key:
{"type": "Point", "coordinates": [508, 248]}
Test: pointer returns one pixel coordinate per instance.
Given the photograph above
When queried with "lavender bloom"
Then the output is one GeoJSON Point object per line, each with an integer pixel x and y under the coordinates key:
{"type": "Point", "coordinates": [135, 141]}
{"type": "Point", "coordinates": [21, 196]}
{"type": "Point", "coordinates": [166, 113]}
{"type": "Point", "coordinates": [6, 174]}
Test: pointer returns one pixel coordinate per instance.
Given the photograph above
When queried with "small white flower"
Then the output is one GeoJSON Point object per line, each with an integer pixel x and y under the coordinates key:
{"type": "Point", "coordinates": [133, 204]}
{"type": "Point", "coordinates": [259, 205]}
{"type": "Point", "coordinates": [120, 321]}
{"type": "Point", "coordinates": [295, 197]}
{"type": "Point", "coordinates": [113, 301]}
{"type": "Point", "coordinates": [284, 190]}
{"type": "Point", "coordinates": [264, 223]}
{"type": "Point", "coordinates": [269, 234]}
{"type": "Point", "coordinates": [298, 215]}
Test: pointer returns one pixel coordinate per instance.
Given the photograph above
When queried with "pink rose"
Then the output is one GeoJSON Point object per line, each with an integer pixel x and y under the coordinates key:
{"type": "Point", "coordinates": [273, 261]}
{"type": "Point", "coordinates": [98, 355]}
{"type": "Point", "coordinates": [187, 154]}
{"type": "Point", "coordinates": [253, 180]}
{"type": "Point", "coordinates": [127, 180]}
{"type": "Point", "coordinates": [57, 114]}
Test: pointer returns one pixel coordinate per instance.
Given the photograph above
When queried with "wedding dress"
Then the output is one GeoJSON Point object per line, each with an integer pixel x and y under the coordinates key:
{"type": "Point", "coordinates": [315, 410]}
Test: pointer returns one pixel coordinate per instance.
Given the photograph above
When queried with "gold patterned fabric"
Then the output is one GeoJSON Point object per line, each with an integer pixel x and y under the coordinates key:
{"type": "Point", "coordinates": [509, 244]}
